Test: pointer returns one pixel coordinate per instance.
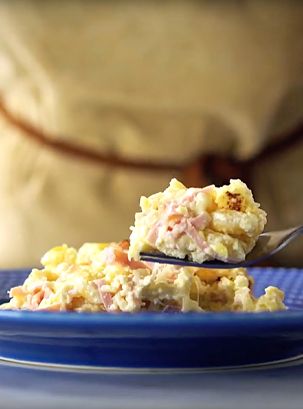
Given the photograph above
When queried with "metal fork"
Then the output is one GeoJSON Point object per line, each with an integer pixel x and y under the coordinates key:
{"type": "Point", "coordinates": [268, 244]}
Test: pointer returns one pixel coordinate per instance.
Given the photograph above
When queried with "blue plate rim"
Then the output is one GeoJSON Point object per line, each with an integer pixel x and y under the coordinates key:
{"type": "Point", "coordinates": [151, 318]}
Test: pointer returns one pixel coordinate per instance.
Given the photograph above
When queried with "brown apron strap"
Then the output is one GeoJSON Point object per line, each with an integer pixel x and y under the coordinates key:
{"type": "Point", "coordinates": [62, 146]}
{"type": "Point", "coordinates": [202, 171]}
{"type": "Point", "coordinates": [220, 169]}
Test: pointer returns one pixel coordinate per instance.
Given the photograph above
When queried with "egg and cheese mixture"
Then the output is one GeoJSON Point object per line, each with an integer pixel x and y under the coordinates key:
{"type": "Point", "coordinates": [210, 223]}
{"type": "Point", "coordinates": [221, 223]}
{"type": "Point", "coordinates": [101, 278]}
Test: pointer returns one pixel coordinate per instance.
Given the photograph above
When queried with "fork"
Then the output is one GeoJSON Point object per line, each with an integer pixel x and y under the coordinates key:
{"type": "Point", "coordinates": [268, 244]}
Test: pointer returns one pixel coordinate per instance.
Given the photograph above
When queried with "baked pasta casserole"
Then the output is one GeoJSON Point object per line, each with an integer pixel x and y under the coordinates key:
{"type": "Point", "coordinates": [101, 278]}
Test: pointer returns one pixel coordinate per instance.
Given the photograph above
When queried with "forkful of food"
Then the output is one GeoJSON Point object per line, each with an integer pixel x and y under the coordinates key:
{"type": "Point", "coordinates": [267, 245]}
{"type": "Point", "coordinates": [210, 227]}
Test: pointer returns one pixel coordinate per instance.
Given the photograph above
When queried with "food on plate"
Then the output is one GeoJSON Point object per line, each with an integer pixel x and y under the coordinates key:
{"type": "Point", "coordinates": [101, 278]}
{"type": "Point", "coordinates": [221, 223]}
{"type": "Point", "coordinates": [202, 224]}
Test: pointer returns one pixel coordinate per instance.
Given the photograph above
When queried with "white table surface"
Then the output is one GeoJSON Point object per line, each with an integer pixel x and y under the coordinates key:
{"type": "Point", "coordinates": [272, 388]}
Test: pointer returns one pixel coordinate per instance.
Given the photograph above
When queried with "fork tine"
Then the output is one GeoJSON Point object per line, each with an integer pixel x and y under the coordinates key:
{"type": "Point", "coordinates": [164, 259]}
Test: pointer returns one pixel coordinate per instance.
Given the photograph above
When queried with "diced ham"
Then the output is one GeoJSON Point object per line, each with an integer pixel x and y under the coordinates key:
{"type": "Point", "coordinates": [105, 296]}
{"type": "Point", "coordinates": [195, 236]}
{"type": "Point", "coordinates": [172, 207]}
{"type": "Point", "coordinates": [153, 233]}
{"type": "Point", "coordinates": [182, 225]}
{"type": "Point", "coordinates": [124, 244]}
{"type": "Point", "coordinates": [179, 229]}
{"type": "Point", "coordinates": [150, 265]}
{"type": "Point", "coordinates": [109, 255]}
{"type": "Point", "coordinates": [47, 292]}
{"type": "Point", "coordinates": [190, 195]}
{"type": "Point", "coordinates": [35, 299]}
{"type": "Point", "coordinates": [116, 254]}
{"type": "Point", "coordinates": [201, 222]}
{"type": "Point", "coordinates": [106, 299]}
{"type": "Point", "coordinates": [122, 258]}
{"type": "Point", "coordinates": [170, 217]}
{"type": "Point", "coordinates": [176, 223]}
{"type": "Point", "coordinates": [76, 302]}
{"type": "Point", "coordinates": [171, 277]}
{"type": "Point", "coordinates": [133, 264]}
{"type": "Point", "coordinates": [38, 294]}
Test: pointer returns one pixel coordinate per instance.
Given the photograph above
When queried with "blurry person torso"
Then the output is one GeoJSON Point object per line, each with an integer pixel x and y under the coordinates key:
{"type": "Point", "coordinates": [160, 82]}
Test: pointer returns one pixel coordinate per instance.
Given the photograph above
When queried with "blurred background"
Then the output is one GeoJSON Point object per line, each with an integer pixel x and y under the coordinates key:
{"type": "Point", "coordinates": [103, 101]}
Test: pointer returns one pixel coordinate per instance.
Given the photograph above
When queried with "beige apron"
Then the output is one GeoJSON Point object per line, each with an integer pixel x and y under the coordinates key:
{"type": "Point", "coordinates": [160, 82]}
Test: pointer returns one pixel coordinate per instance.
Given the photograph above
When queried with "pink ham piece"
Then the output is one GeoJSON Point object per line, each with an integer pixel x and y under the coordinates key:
{"type": "Point", "coordinates": [35, 299]}
{"type": "Point", "coordinates": [201, 222]}
{"type": "Point", "coordinates": [177, 224]}
{"type": "Point", "coordinates": [109, 255]}
{"type": "Point", "coordinates": [122, 258]}
{"type": "Point", "coordinates": [117, 255]}
{"type": "Point", "coordinates": [176, 221]}
{"type": "Point", "coordinates": [105, 296]}
{"type": "Point", "coordinates": [193, 234]}
{"type": "Point", "coordinates": [153, 233]}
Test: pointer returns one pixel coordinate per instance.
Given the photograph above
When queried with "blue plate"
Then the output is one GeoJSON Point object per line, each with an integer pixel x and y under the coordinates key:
{"type": "Point", "coordinates": [157, 340]}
